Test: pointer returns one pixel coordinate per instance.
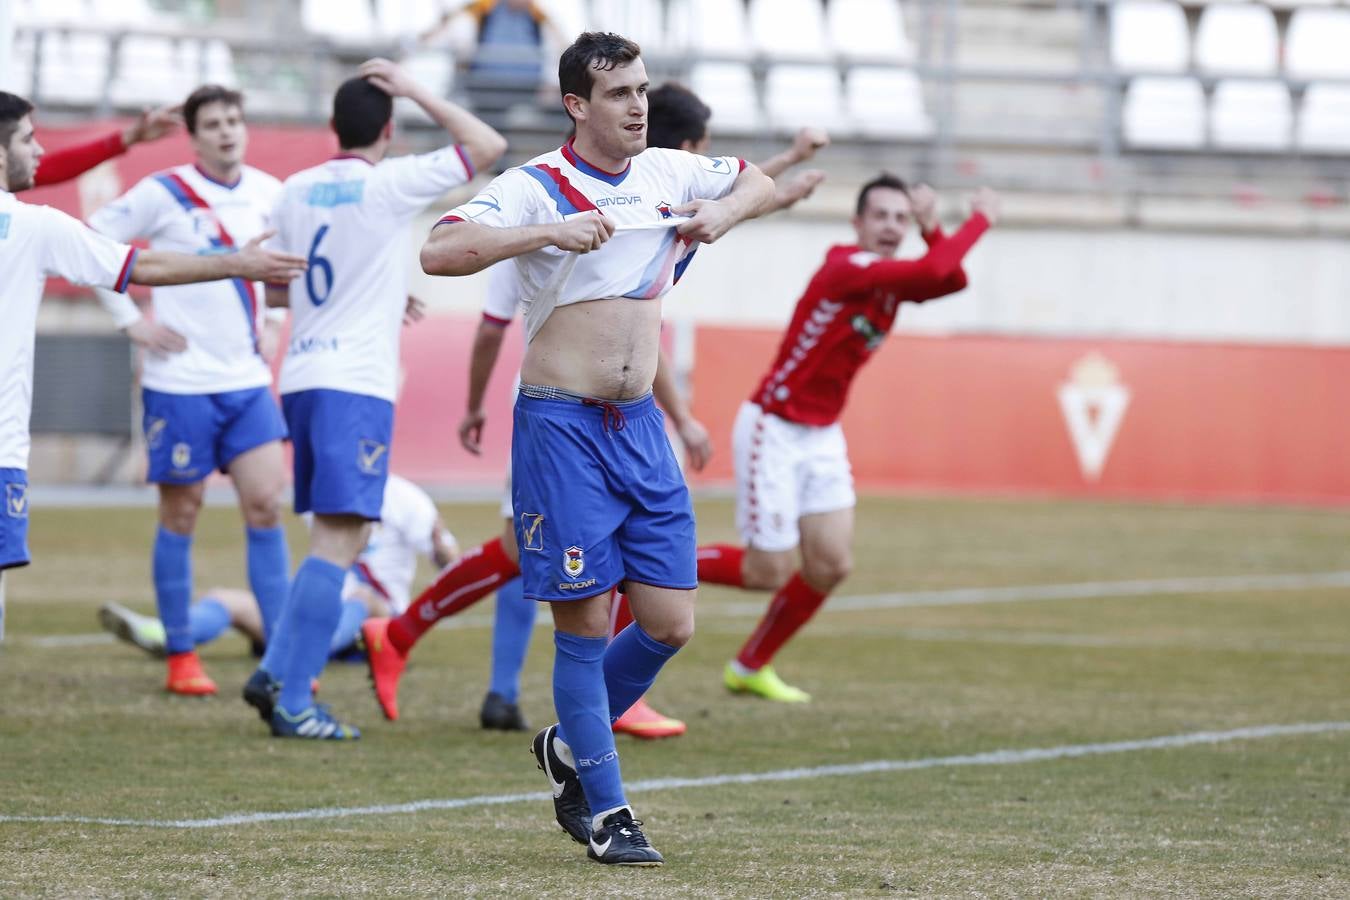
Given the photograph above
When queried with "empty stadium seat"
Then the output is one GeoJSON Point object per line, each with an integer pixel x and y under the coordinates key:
{"type": "Point", "coordinates": [74, 68]}
{"type": "Point", "coordinates": [798, 95]}
{"type": "Point", "coordinates": [886, 102]}
{"type": "Point", "coordinates": [642, 20]}
{"type": "Point", "coordinates": [433, 68]}
{"type": "Point", "coordinates": [713, 27]}
{"type": "Point", "coordinates": [729, 89]}
{"type": "Point", "coordinates": [150, 71]}
{"type": "Point", "coordinates": [1324, 120]}
{"type": "Point", "coordinates": [788, 28]}
{"type": "Point", "coordinates": [343, 21]}
{"type": "Point", "coordinates": [868, 29]}
{"type": "Point", "coordinates": [1164, 113]}
{"type": "Point", "coordinates": [1149, 36]}
{"type": "Point", "coordinates": [1237, 39]}
{"type": "Point", "coordinates": [218, 65]}
{"type": "Point", "coordinates": [121, 13]}
{"type": "Point", "coordinates": [55, 12]}
{"type": "Point", "coordinates": [404, 20]}
{"type": "Point", "coordinates": [1318, 44]}
{"type": "Point", "coordinates": [17, 76]}
{"type": "Point", "coordinates": [1251, 115]}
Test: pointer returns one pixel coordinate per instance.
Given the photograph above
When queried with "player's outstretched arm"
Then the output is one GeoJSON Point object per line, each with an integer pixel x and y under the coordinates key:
{"type": "Point", "coordinates": [481, 142]}
{"type": "Point", "coordinates": [253, 262]}
{"type": "Point", "coordinates": [805, 145]}
{"type": "Point", "coordinates": [751, 195]}
{"type": "Point", "coordinates": [462, 248]}
{"type": "Point", "coordinates": [71, 162]}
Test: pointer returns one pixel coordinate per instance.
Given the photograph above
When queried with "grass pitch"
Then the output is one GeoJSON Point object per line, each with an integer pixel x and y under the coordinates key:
{"type": "Point", "coordinates": [86, 731]}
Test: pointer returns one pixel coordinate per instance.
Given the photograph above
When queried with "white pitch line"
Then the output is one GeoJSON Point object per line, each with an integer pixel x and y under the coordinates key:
{"type": "Point", "coordinates": [991, 758]}
{"type": "Point", "coordinates": [1086, 590]}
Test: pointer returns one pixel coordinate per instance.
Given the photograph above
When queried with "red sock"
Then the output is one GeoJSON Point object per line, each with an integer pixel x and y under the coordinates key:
{"type": "Point", "coordinates": [471, 578]}
{"type": "Point", "coordinates": [792, 607]}
{"type": "Point", "coordinates": [721, 564]}
{"type": "Point", "coordinates": [620, 616]}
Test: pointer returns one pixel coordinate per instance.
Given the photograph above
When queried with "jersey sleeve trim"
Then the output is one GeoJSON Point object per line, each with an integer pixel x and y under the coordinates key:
{"type": "Point", "coordinates": [742, 163]}
{"type": "Point", "coordinates": [446, 220]}
{"type": "Point", "coordinates": [495, 320]}
{"type": "Point", "coordinates": [464, 158]}
{"type": "Point", "coordinates": [124, 276]}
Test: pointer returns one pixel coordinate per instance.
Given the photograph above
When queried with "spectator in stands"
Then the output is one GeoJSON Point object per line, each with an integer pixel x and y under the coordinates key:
{"type": "Point", "coordinates": [507, 64]}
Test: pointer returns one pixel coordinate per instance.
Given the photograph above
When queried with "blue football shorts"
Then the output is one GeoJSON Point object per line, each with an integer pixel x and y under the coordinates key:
{"type": "Point", "coordinates": [189, 435]}
{"type": "Point", "coordinates": [14, 519]}
{"type": "Point", "coordinates": [341, 443]}
{"type": "Point", "coordinates": [598, 497]}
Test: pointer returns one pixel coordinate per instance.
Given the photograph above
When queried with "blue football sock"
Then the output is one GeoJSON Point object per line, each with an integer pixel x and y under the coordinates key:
{"type": "Point", "coordinates": [349, 625]}
{"type": "Point", "coordinates": [511, 630]}
{"type": "Point", "coordinates": [172, 566]}
{"type": "Point", "coordinates": [208, 619]}
{"type": "Point", "coordinates": [631, 663]}
{"type": "Point", "coordinates": [269, 573]}
{"type": "Point", "coordinates": [583, 713]}
{"type": "Point", "coordinates": [312, 615]}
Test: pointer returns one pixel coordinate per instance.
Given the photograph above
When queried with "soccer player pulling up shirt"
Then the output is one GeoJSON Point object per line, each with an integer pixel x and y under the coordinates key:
{"type": "Point", "coordinates": [598, 496]}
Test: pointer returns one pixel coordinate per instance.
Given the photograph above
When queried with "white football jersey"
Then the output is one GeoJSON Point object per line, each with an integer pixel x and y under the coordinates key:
{"type": "Point", "coordinates": [184, 210]}
{"type": "Point", "coordinates": [35, 242]}
{"type": "Point", "coordinates": [642, 261]}
{"type": "Point", "coordinates": [503, 294]}
{"type": "Point", "coordinates": [404, 532]}
{"type": "Point", "coordinates": [349, 218]}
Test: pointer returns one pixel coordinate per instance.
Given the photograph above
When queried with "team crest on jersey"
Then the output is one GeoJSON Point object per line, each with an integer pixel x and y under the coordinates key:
{"type": "Point", "coordinates": [864, 327]}
{"type": "Point", "coordinates": [154, 432]}
{"type": "Point", "coordinates": [574, 561]}
{"type": "Point", "coordinates": [370, 456]}
{"type": "Point", "coordinates": [532, 529]}
{"type": "Point", "coordinates": [664, 209]}
{"type": "Point", "coordinates": [16, 501]}
{"type": "Point", "coordinates": [182, 455]}
{"type": "Point", "coordinates": [4, 226]}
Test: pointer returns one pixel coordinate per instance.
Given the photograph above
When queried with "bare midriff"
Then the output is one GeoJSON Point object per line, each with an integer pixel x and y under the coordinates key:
{"type": "Point", "coordinates": [597, 348]}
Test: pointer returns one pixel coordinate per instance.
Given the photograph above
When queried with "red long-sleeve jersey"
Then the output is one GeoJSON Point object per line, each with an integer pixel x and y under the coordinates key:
{"type": "Point", "coordinates": [844, 316]}
{"type": "Point", "coordinates": [69, 162]}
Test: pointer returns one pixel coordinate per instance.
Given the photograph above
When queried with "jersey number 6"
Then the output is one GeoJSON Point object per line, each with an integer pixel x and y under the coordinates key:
{"type": "Point", "coordinates": [318, 263]}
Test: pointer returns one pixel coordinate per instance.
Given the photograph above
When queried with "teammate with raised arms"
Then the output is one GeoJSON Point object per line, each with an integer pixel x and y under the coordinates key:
{"type": "Point", "coordinates": [794, 486]}
{"type": "Point", "coordinates": [598, 496]}
{"type": "Point", "coordinates": [339, 380]}
{"type": "Point", "coordinates": [38, 241]}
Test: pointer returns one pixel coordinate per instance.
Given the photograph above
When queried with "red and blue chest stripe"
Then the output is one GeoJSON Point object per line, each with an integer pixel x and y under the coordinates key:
{"type": "Point", "coordinates": [191, 201]}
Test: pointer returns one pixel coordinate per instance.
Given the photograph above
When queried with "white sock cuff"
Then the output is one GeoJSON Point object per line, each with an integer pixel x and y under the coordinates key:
{"type": "Point", "coordinates": [598, 820]}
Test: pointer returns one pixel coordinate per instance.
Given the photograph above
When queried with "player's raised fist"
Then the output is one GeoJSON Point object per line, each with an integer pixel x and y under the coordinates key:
{"type": "Point", "coordinates": [583, 233]}
{"type": "Point", "coordinates": [924, 200]}
{"type": "Point", "coordinates": [986, 202]}
{"type": "Point", "coordinates": [256, 263]}
{"type": "Point", "coordinates": [808, 141]}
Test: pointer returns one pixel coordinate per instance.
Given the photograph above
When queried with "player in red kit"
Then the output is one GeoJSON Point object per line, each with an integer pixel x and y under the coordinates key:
{"type": "Point", "coordinates": [794, 487]}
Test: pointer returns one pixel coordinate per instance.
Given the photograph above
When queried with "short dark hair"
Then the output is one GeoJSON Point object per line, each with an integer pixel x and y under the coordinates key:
{"type": "Point", "coordinates": [360, 112]}
{"type": "Point", "coordinates": [591, 51]}
{"type": "Point", "coordinates": [675, 114]}
{"type": "Point", "coordinates": [884, 180]}
{"type": "Point", "coordinates": [208, 93]}
{"type": "Point", "coordinates": [12, 109]}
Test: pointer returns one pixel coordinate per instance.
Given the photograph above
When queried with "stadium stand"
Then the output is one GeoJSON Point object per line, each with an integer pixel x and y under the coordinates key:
{"type": "Point", "coordinates": [868, 29]}
{"type": "Point", "coordinates": [1164, 113]}
{"type": "Point", "coordinates": [1316, 44]}
{"type": "Point", "coordinates": [1149, 36]}
{"type": "Point", "coordinates": [790, 29]}
{"type": "Point", "coordinates": [1237, 39]}
{"type": "Point", "coordinates": [1251, 115]}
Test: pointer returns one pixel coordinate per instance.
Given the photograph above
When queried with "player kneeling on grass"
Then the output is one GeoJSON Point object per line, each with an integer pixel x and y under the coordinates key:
{"type": "Point", "coordinates": [380, 583]}
{"type": "Point", "coordinates": [794, 487]}
{"type": "Point", "coordinates": [37, 242]}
